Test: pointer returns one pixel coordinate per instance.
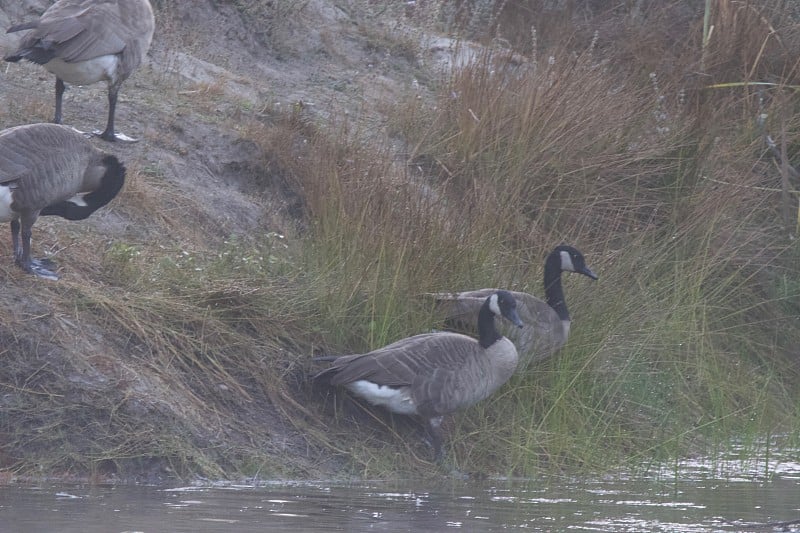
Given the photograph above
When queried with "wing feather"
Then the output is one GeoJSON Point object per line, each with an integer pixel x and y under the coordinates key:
{"type": "Point", "coordinates": [81, 34]}
{"type": "Point", "coordinates": [399, 363]}
{"type": "Point", "coordinates": [542, 333]}
{"type": "Point", "coordinates": [23, 160]}
{"type": "Point", "coordinates": [75, 31]}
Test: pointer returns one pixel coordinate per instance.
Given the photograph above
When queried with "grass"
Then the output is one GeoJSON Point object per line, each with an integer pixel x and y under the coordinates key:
{"type": "Point", "coordinates": [679, 353]}
{"type": "Point", "coordinates": [184, 345]}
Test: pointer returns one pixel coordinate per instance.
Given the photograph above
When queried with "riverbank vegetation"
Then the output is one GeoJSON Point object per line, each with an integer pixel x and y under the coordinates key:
{"type": "Point", "coordinates": [184, 348]}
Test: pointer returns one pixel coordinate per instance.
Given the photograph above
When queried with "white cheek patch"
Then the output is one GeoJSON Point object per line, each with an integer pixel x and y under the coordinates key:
{"type": "Point", "coordinates": [78, 199]}
{"type": "Point", "coordinates": [566, 262]}
{"type": "Point", "coordinates": [493, 305]}
{"type": "Point", "coordinates": [6, 213]}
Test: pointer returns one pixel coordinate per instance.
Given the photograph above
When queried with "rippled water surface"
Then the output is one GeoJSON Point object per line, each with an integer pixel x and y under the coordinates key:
{"type": "Point", "coordinates": [690, 496]}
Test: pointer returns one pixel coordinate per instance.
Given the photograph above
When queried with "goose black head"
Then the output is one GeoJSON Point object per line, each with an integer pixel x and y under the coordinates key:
{"type": "Point", "coordinates": [502, 303]}
{"type": "Point", "coordinates": [572, 261]}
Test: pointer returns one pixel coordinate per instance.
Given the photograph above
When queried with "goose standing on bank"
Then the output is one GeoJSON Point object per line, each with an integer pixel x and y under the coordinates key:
{"type": "Point", "coordinates": [86, 41]}
{"type": "Point", "coordinates": [433, 374]}
{"type": "Point", "coordinates": [49, 169]}
{"type": "Point", "coordinates": [547, 323]}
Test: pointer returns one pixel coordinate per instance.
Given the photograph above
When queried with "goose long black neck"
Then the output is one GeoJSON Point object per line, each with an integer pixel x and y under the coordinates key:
{"type": "Point", "coordinates": [553, 291]}
{"type": "Point", "coordinates": [487, 332]}
{"type": "Point", "coordinates": [110, 185]}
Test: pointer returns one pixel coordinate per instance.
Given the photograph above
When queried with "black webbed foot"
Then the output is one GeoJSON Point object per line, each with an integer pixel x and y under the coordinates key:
{"type": "Point", "coordinates": [40, 268]}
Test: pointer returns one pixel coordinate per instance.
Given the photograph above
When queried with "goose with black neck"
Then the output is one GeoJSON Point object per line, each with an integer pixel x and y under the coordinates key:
{"type": "Point", "coordinates": [433, 374]}
{"type": "Point", "coordinates": [547, 322]}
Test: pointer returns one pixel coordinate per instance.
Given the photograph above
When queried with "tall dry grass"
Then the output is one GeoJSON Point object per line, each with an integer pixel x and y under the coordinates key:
{"type": "Point", "coordinates": [189, 348]}
{"type": "Point", "coordinates": [689, 336]}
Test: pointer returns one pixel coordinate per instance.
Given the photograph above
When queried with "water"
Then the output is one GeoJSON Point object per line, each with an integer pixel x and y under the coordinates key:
{"type": "Point", "coordinates": [690, 496]}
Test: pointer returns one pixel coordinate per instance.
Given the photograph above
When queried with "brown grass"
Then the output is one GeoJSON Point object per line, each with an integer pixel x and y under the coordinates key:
{"type": "Point", "coordinates": [175, 344]}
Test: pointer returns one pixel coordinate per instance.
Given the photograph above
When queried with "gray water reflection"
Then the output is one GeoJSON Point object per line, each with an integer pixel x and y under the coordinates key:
{"type": "Point", "coordinates": [695, 501]}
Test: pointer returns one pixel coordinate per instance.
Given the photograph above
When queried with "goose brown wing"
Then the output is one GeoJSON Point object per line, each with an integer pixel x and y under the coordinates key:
{"type": "Point", "coordinates": [542, 333]}
{"type": "Point", "coordinates": [74, 32]}
{"type": "Point", "coordinates": [55, 155]}
{"type": "Point", "coordinates": [15, 153]}
{"type": "Point", "coordinates": [474, 299]}
{"type": "Point", "coordinates": [480, 294]}
{"type": "Point", "coordinates": [461, 307]}
{"type": "Point", "coordinates": [399, 363]}
{"type": "Point", "coordinates": [11, 168]}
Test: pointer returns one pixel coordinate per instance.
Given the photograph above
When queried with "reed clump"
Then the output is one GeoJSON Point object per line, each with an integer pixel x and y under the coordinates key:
{"type": "Point", "coordinates": [683, 341]}
{"type": "Point", "coordinates": [183, 346]}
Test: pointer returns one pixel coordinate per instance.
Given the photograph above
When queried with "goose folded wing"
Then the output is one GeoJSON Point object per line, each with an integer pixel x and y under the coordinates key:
{"type": "Point", "coordinates": [35, 150]}
{"type": "Point", "coordinates": [80, 35]}
{"type": "Point", "coordinates": [13, 165]}
{"type": "Point", "coordinates": [461, 306]}
{"type": "Point", "coordinates": [478, 295]}
{"type": "Point", "coordinates": [399, 363]}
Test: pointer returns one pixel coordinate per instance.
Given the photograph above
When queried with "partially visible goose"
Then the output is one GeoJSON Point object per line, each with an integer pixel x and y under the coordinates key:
{"type": "Point", "coordinates": [48, 169]}
{"type": "Point", "coordinates": [433, 374]}
{"type": "Point", "coordinates": [86, 41]}
{"type": "Point", "coordinates": [547, 323]}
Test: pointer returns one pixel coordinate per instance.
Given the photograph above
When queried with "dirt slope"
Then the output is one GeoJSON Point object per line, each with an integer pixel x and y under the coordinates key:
{"type": "Point", "coordinates": [195, 169]}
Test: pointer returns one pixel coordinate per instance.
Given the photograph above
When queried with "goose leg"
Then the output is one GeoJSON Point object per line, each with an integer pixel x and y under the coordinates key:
{"type": "Point", "coordinates": [59, 99]}
{"type": "Point", "coordinates": [15, 240]}
{"type": "Point", "coordinates": [60, 89]}
{"type": "Point", "coordinates": [436, 433]}
{"type": "Point", "coordinates": [37, 267]}
{"type": "Point", "coordinates": [109, 134]}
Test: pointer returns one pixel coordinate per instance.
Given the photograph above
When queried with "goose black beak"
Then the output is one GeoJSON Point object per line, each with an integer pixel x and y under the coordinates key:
{"type": "Point", "coordinates": [586, 271]}
{"type": "Point", "coordinates": [514, 318]}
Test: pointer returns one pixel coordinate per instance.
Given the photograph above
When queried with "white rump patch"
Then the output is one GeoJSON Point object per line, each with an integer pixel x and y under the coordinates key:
{"type": "Point", "coordinates": [85, 72]}
{"type": "Point", "coordinates": [395, 399]}
{"type": "Point", "coordinates": [493, 304]}
{"type": "Point", "coordinates": [566, 261]}
{"type": "Point", "coordinates": [6, 214]}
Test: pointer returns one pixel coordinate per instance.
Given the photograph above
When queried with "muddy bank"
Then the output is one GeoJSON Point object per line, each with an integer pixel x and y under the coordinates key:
{"type": "Point", "coordinates": [95, 380]}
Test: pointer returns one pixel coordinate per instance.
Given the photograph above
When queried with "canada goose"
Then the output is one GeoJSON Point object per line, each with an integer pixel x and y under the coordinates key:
{"type": "Point", "coordinates": [49, 169]}
{"type": "Point", "coordinates": [547, 323]}
{"type": "Point", "coordinates": [86, 41]}
{"type": "Point", "coordinates": [433, 374]}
